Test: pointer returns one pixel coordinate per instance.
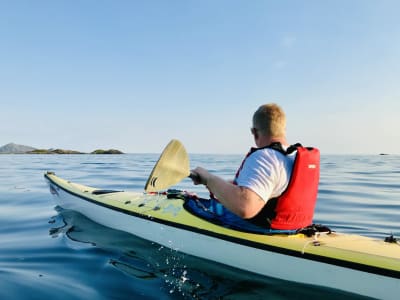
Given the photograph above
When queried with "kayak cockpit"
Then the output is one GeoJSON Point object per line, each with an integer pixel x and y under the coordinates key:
{"type": "Point", "coordinates": [213, 212]}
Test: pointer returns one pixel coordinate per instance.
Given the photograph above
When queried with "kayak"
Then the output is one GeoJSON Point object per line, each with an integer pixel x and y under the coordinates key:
{"type": "Point", "coordinates": [182, 222]}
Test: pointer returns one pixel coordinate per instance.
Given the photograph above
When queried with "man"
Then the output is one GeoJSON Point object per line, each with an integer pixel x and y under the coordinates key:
{"type": "Point", "coordinates": [259, 192]}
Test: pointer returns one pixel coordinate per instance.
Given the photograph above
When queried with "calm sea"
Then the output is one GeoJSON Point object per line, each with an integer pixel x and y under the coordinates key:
{"type": "Point", "coordinates": [49, 253]}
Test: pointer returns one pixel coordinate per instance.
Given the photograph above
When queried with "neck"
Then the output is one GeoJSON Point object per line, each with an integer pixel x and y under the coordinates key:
{"type": "Point", "coordinates": [265, 141]}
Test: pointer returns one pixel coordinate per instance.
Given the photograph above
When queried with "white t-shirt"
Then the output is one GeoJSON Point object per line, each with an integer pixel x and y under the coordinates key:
{"type": "Point", "coordinates": [266, 172]}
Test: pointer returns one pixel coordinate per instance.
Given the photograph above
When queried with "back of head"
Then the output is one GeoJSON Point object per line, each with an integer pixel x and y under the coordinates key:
{"type": "Point", "coordinates": [270, 119]}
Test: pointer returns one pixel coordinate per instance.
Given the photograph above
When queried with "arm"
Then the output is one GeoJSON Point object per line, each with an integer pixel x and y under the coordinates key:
{"type": "Point", "coordinates": [240, 200]}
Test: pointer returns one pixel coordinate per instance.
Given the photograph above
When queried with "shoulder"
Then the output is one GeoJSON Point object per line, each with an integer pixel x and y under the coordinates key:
{"type": "Point", "coordinates": [267, 155]}
{"type": "Point", "coordinates": [272, 160]}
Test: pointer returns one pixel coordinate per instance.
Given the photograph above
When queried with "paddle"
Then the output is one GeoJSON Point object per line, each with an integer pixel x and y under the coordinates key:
{"type": "Point", "coordinates": [171, 168]}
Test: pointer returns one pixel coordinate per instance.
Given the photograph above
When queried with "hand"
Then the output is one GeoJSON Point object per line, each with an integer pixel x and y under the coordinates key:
{"type": "Point", "coordinates": [199, 176]}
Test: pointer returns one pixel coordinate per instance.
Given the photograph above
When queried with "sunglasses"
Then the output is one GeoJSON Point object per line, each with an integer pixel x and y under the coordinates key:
{"type": "Point", "coordinates": [254, 130]}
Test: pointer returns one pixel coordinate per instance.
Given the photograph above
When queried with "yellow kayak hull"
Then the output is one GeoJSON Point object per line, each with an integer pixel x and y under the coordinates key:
{"type": "Point", "coordinates": [352, 263]}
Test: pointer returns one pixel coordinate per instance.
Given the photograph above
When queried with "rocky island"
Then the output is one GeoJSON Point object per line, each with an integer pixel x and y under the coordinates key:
{"type": "Point", "coordinates": [53, 151]}
{"type": "Point", "coordinates": [109, 151]}
{"type": "Point", "coordinates": [12, 148]}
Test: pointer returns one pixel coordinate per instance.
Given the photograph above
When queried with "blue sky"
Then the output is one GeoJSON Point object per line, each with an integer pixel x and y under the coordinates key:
{"type": "Point", "coordinates": [132, 75]}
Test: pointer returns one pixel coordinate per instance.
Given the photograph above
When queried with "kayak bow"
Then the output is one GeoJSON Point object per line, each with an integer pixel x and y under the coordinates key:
{"type": "Point", "coordinates": [346, 262]}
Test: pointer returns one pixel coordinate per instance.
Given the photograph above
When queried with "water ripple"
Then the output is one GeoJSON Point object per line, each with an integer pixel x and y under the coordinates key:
{"type": "Point", "coordinates": [46, 252]}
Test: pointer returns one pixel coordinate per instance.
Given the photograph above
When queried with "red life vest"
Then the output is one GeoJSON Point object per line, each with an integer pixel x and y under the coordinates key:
{"type": "Point", "coordinates": [294, 208]}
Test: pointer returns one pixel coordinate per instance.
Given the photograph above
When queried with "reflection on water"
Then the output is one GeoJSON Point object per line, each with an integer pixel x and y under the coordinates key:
{"type": "Point", "coordinates": [176, 274]}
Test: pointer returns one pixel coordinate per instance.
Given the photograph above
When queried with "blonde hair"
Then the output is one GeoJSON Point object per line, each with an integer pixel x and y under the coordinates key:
{"type": "Point", "coordinates": [270, 119]}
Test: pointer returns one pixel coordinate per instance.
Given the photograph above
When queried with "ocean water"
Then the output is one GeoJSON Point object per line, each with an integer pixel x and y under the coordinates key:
{"type": "Point", "coordinates": [50, 253]}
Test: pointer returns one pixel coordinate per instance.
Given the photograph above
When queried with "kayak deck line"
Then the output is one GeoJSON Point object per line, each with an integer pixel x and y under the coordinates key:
{"type": "Point", "coordinates": [87, 195]}
{"type": "Point", "coordinates": [347, 262]}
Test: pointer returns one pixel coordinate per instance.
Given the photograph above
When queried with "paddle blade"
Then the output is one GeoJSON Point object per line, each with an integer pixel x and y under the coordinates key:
{"type": "Point", "coordinates": [171, 168]}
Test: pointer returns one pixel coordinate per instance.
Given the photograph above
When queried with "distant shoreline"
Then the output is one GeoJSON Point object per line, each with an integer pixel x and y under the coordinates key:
{"type": "Point", "coordinates": [12, 148]}
{"type": "Point", "coordinates": [62, 151]}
